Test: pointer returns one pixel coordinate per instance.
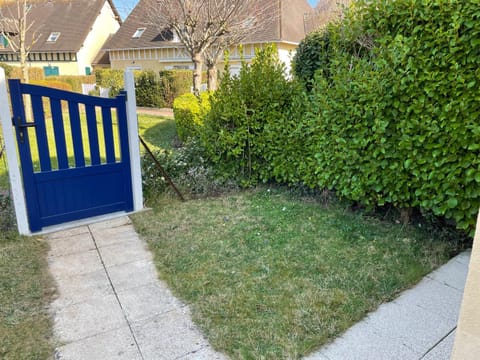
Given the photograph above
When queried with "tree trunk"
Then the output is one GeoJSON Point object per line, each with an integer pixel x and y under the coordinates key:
{"type": "Point", "coordinates": [24, 68]}
{"type": "Point", "coordinates": [212, 77]}
{"type": "Point", "coordinates": [197, 73]}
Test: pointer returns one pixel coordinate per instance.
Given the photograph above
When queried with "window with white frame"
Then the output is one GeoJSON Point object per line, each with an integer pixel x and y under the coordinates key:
{"type": "Point", "coordinates": [138, 33]}
{"type": "Point", "coordinates": [53, 37]}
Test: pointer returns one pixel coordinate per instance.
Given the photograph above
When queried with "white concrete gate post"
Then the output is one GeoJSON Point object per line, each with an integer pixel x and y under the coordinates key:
{"type": "Point", "coordinates": [134, 145]}
{"type": "Point", "coordinates": [16, 182]}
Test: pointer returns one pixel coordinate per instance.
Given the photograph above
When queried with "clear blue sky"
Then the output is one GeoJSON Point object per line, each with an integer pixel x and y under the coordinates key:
{"type": "Point", "coordinates": [125, 6]}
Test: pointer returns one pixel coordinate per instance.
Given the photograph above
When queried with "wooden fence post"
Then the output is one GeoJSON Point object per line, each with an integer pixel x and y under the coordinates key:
{"type": "Point", "coordinates": [133, 141]}
{"type": "Point", "coordinates": [16, 182]}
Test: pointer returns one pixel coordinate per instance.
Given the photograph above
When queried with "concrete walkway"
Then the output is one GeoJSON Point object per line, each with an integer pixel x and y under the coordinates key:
{"type": "Point", "coordinates": [418, 325]}
{"type": "Point", "coordinates": [111, 304]}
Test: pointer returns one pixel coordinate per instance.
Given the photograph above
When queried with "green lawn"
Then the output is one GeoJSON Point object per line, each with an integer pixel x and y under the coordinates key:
{"type": "Point", "coordinates": [272, 275]}
{"type": "Point", "coordinates": [25, 292]}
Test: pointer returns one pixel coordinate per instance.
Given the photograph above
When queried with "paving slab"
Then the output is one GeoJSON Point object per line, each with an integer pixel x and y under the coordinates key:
{"type": "Point", "coordinates": [364, 342]}
{"type": "Point", "coordinates": [75, 289]}
{"type": "Point", "coordinates": [88, 318]}
{"type": "Point", "coordinates": [117, 344]}
{"type": "Point", "coordinates": [147, 301]}
{"type": "Point", "coordinates": [73, 244]}
{"type": "Point", "coordinates": [410, 325]}
{"type": "Point", "coordinates": [433, 297]}
{"type": "Point", "coordinates": [74, 264]}
{"type": "Point", "coordinates": [177, 336]}
{"type": "Point", "coordinates": [124, 253]}
{"type": "Point", "coordinates": [443, 350]}
{"type": "Point", "coordinates": [205, 353]}
{"type": "Point", "coordinates": [453, 274]}
{"type": "Point", "coordinates": [132, 275]}
{"type": "Point", "coordinates": [65, 234]}
{"type": "Point", "coordinates": [112, 236]}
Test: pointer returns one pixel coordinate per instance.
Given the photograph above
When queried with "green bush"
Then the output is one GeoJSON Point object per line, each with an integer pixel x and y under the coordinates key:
{"type": "Point", "coordinates": [109, 78]}
{"type": "Point", "coordinates": [241, 127]}
{"type": "Point", "coordinates": [148, 89]}
{"type": "Point", "coordinates": [189, 112]}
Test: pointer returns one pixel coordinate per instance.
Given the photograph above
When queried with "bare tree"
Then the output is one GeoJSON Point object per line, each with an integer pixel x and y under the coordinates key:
{"type": "Point", "coordinates": [207, 27]}
{"type": "Point", "coordinates": [16, 28]}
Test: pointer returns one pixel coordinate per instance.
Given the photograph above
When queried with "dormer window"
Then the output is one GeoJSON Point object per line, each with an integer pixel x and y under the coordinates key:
{"type": "Point", "coordinates": [53, 37]}
{"type": "Point", "coordinates": [3, 41]}
{"type": "Point", "coordinates": [138, 33]}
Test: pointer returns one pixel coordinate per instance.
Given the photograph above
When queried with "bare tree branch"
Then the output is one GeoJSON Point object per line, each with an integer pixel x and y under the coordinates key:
{"type": "Point", "coordinates": [15, 26]}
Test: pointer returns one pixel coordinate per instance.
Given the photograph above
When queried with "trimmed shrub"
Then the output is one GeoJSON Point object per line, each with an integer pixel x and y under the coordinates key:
{"type": "Point", "coordinates": [53, 84]}
{"type": "Point", "coordinates": [148, 89]}
{"type": "Point", "coordinates": [174, 83]}
{"type": "Point", "coordinates": [75, 81]}
{"type": "Point", "coordinates": [189, 112]}
{"type": "Point", "coordinates": [33, 73]}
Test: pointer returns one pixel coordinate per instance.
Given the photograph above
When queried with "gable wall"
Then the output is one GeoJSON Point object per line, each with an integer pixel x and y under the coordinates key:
{"type": "Point", "coordinates": [105, 25]}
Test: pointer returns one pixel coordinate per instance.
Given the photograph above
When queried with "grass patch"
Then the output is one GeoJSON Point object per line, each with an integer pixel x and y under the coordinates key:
{"type": "Point", "coordinates": [157, 131]}
{"type": "Point", "coordinates": [270, 275]}
{"type": "Point", "coordinates": [25, 291]}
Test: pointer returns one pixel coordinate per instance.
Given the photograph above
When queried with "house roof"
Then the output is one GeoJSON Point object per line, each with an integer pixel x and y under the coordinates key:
{"type": "Point", "coordinates": [73, 19]}
{"type": "Point", "coordinates": [287, 27]}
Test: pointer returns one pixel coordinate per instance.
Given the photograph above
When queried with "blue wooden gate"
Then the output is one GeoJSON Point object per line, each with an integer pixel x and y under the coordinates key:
{"type": "Point", "coordinates": [74, 154]}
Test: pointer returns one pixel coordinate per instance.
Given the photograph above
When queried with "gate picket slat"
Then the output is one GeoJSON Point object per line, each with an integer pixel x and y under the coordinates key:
{"type": "Point", "coordinates": [108, 134]}
{"type": "Point", "coordinates": [93, 134]}
{"type": "Point", "coordinates": [41, 133]}
{"type": "Point", "coordinates": [76, 130]}
{"type": "Point", "coordinates": [59, 131]}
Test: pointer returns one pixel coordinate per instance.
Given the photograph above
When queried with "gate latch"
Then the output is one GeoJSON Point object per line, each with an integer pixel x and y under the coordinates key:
{"type": "Point", "coordinates": [21, 126]}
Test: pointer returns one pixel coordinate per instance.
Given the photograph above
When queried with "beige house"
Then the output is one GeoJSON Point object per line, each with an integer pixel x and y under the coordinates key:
{"type": "Point", "coordinates": [138, 46]}
{"type": "Point", "coordinates": [66, 35]}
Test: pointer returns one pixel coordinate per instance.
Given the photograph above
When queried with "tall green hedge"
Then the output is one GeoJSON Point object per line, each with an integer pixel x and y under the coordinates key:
{"type": "Point", "coordinates": [402, 126]}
